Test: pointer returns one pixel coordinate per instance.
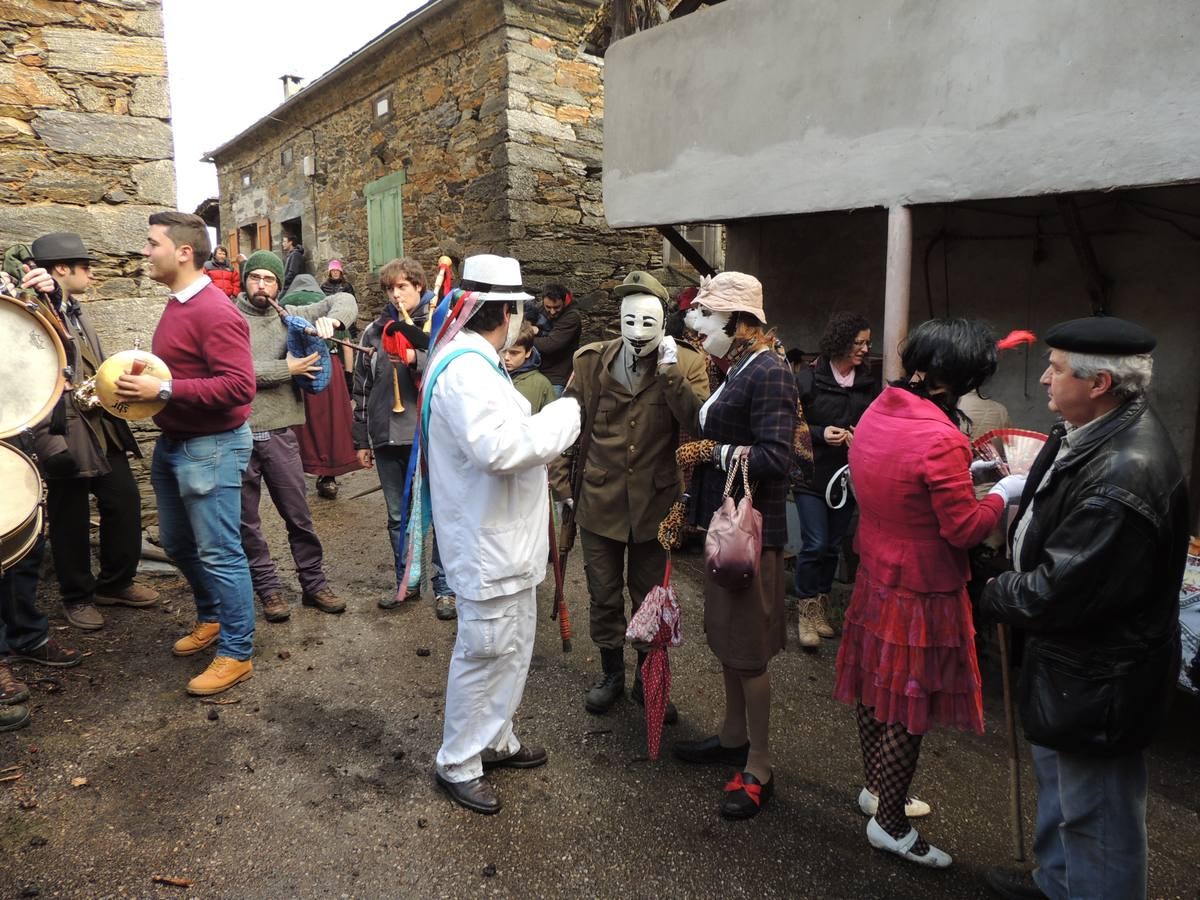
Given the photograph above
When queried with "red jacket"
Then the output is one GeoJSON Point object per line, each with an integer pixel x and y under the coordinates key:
{"type": "Point", "coordinates": [226, 279]}
{"type": "Point", "coordinates": [918, 514]}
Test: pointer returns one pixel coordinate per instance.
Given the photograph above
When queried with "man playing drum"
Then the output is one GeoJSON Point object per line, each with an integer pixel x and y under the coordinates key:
{"type": "Point", "coordinates": [89, 459]}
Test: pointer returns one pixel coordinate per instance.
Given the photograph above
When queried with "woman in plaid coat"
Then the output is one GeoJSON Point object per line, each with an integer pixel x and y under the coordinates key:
{"type": "Point", "coordinates": [754, 412]}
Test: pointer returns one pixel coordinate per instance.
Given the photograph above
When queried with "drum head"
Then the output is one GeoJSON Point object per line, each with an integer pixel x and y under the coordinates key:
{"type": "Point", "coordinates": [31, 368]}
{"type": "Point", "coordinates": [21, 491]}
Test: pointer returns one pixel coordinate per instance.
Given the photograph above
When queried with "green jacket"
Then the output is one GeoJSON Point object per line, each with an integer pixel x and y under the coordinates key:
{"type": "Point", "coordinates": [534, 387]}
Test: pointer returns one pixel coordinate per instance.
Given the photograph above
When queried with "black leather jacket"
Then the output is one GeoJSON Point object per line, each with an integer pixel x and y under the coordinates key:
{"type": "Point", "coordinates": [1098, 594]}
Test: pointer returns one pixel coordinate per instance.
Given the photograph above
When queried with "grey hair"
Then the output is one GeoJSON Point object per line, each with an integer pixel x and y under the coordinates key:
{"type": "Point", "coordinates": [1130, 374]}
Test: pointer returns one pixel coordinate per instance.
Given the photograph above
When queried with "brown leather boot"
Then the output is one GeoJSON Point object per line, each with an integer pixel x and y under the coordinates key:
{"type": "Point", "coordinates": [222, 673]}
{"type": "Point", "coordinates": [12, 690]}
{"type": "Point", "coordinates": [820, 617]}
{"type": "Point", "coordinates": [325, 600]}
{"type": "Point", "coordinates": [136, 595]}
{"type": "Point", "coordinates": [275, 608]}
{"type": "Point", "coordinates": [202, 636]}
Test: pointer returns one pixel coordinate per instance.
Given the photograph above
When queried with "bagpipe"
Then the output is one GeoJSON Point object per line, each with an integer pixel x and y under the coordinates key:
{"type": "Point", "coordinates": [303, 340]}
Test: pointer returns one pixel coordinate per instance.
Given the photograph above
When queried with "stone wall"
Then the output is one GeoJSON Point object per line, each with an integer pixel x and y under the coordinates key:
{"type": "Point", "coordinates": [496, 122]}
{"type": "Point", "coordinates": [85, 146]}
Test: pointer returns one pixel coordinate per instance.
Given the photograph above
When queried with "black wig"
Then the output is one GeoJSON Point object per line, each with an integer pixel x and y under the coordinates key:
{"type": "Point", "coordinates": [956, 354]}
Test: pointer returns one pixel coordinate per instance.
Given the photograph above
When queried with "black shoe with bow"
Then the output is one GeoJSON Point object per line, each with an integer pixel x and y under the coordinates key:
{"type": "Point", "coordinates": [745, 796]}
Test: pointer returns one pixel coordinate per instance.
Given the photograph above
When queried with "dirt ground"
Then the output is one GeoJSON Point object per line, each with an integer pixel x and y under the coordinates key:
{"type": "Point", "coordinates": [316, 780]}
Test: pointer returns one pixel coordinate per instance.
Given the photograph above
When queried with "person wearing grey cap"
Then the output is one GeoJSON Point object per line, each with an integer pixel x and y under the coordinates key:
{"type": "Point", "coordinates": [1098, 549]}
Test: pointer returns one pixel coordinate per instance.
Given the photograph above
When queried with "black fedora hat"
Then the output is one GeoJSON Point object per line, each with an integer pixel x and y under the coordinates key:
{"type": "Point", "coordinates": [61, 246]}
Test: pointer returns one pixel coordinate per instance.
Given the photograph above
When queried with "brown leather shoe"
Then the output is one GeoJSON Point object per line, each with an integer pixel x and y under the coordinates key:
{"type": "Point", "coordinates": [275, 608]}
{"type": "Point", "coordinates": [325, 600]}
{"type": "Point", "coordinates": [13, 717]}
{"type": "Point", "coordinates": [222, 674]}
{"type": "Point", "coordinates": [202, 636]}
{"type": "Point", "coordinates": [327, 487]}
{"type": "Point", "coordinates": [12, 690]}
{"type": "Point", "coordinates": [83, 616]}
{"type": "Point", "coordinates": [476, 795]}
{"type": "Point", "coordinates": [50, 654]}
{"type": "Point", "coordinates": [525, 758]}
{"type": "Point", "coordinates": [136, 595]}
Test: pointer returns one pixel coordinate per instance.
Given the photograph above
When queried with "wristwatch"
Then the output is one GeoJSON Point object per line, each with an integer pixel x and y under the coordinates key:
{"type": "Point", "coordinates": [164, 390]}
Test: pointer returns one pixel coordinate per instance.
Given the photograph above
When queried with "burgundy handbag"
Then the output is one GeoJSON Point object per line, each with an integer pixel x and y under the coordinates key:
{"type": "Point", "coordinates": [734, 542]}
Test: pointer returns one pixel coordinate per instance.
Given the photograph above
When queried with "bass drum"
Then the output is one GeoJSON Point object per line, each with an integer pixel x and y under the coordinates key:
{"type": "Point", "coordinates": [20, 505]}
{"type": "Point", "coordinates": [31, 368]}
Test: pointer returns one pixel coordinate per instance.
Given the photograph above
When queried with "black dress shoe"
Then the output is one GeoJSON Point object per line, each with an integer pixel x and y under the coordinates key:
{"type": "Point", "coordinates": [525, 758]}
{"type": "Point", "coordinates": [710, 752]}
{"type": "Point", "coordinates": [476, 795]}
{"type": "Point", "coordinates": [670, 714]}
{"type": "Point", "coordinates": [1013, 883]}
{"type": "Point", "coordinates": [745, 796]}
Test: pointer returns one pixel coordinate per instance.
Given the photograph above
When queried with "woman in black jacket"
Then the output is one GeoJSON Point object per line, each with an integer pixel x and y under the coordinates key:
{"type": "Point", "coordinates": [834, 391]}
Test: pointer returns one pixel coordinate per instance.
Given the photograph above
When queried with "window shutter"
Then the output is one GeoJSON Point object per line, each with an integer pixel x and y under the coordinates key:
{"type": "Point", "coordinates": [385, 219]}
{"type": "Point", "coordinates": [262, 239]}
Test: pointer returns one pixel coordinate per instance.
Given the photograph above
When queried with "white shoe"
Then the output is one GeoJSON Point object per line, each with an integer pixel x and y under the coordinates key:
{"type": "Point", "coordinates": [913, 808]}
{"type": "Point", "coordinates": [881, 840]}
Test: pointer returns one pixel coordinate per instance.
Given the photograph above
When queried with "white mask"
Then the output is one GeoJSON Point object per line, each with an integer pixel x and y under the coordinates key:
{"type": "Point", "coordinates": [515, 321]}
{"type": "Point", "coordinates": [710, 326]}
{"type": "Point", "coordinates": [641, 323]}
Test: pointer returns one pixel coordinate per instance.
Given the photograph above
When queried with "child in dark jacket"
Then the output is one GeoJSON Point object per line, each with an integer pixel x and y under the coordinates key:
{"type": "Point", "coordinates": [522, 362]}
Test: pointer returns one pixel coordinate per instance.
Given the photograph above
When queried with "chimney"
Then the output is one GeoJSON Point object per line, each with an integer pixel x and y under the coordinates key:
{"type": "Point", "coordinates": [291, 84]}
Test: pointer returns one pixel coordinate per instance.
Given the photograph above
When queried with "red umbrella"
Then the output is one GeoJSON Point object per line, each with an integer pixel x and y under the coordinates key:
{"type": "Point", "coordinates": [657, 623]}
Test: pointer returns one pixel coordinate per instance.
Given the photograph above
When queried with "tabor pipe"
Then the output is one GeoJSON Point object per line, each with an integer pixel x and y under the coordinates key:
{"type": "Point", "coordinates": [397, 403]}
{"type": "Point", "coordinates": [1014, 756]}
{"type": "Point", "coordinates": [896, 289]}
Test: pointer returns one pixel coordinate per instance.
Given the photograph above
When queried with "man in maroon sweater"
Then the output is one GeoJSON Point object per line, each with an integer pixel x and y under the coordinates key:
{"type": "Point", "coordinates": [204, 447]}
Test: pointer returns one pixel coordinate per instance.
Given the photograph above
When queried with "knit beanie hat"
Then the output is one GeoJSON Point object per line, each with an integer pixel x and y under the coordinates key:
{"type": "Point", "coordinates": [263, 259]}
{"type": "Point", "coordinates": [303, 291]}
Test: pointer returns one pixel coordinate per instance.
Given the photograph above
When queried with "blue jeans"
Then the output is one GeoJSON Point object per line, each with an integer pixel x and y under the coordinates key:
{"type": "Point", "coordinates": [23, 627]}
{"type": "Point", "coordinates": [558, 389]}
{"type": "Point", "coordinates": [1091, 825]}
{"type": "Point", "coordinates": [822, 531]}
{"type": "Point", "coordinates": [198, 483]}
{"type": "Point", "coordinates": [391, 464]}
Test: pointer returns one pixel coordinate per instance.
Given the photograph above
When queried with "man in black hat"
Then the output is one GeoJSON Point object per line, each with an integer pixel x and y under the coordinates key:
{"type": "Point", "coordinates": [1098, 550]}
{"type": "Point", "coordinates": [88, 458]}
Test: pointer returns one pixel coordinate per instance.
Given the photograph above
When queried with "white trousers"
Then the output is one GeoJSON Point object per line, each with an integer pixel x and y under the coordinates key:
{"type": "Point", "coordinates": [487, 679]}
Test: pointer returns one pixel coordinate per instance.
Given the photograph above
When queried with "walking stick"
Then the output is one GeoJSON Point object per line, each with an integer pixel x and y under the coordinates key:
{"type": "Point", "coordinates": [559, 608]}
{"type": "Point", "coordinates": [1014, 758]}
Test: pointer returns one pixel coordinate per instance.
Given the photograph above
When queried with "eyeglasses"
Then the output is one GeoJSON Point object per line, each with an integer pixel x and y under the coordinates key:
{"type": "Point", "coordinates": [862, 343]}
{"type": "Point", "coordinates": [262, 279]}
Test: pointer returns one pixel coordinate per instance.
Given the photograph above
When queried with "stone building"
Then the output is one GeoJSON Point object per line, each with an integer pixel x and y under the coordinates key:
{"type": "Point", "coordinates": [85, 146]}
{"type": "Point", "coordinates": [469, 126]}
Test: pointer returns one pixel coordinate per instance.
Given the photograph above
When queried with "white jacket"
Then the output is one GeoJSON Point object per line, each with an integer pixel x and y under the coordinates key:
{"type": "Point", "coordinates": [487, 472]}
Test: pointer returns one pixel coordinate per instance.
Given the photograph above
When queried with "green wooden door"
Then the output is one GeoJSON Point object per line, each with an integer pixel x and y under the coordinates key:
{"type": "Point", "coordinates": [385, 219]}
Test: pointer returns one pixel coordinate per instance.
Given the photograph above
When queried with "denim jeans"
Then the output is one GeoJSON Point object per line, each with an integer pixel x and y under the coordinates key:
{"type": "Point", "coordinates": [1091, 825]}
{"type": "Point", "coordinates": [23, 627]}
{"type": "Point", "coordinates": [198, 483]}
{"type": "Point", "coordinates": [391, 463]}
{"type": "Point", "coordinates": [822, 531]}
{"type": "Point", "coordinates": [558, 389]}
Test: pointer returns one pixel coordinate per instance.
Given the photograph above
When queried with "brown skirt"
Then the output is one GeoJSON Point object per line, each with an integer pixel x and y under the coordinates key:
{"type": "Point", "coordinates": [746, 628]}
{"type": "Point", "coordinates": [326, 445]}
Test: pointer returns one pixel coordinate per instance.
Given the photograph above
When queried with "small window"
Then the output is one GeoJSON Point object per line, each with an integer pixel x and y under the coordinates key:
{"type": "Point", "coordinates": [382, 106]}
{"type": "Point", "coordinates": [245, 179]}
{"type": "Point", "coordinates": [709, 240]}
{"type": "Point", "coordinates": [285, 157]}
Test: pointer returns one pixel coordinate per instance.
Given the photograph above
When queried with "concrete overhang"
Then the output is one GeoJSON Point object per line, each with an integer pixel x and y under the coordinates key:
{"type": "Point", "coordinates": [770, 107]}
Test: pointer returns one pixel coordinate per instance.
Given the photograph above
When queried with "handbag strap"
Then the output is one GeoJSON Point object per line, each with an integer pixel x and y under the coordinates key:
{"type": "Point", "coordinates": [739, 461]}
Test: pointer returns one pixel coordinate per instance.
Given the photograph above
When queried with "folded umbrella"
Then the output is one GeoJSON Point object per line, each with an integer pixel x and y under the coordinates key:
{"type": "Point", "coordinates": [657, 623]}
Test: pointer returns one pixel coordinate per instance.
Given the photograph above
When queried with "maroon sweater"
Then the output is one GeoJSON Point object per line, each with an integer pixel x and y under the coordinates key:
{"type": "Point", "coordinates": [205, 342]}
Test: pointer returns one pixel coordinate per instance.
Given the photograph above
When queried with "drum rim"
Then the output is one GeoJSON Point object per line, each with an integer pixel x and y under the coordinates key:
{"type": "Point", "coordinates": [31, 540]}
{"type": "Point", "coordinates": [60, 381]}
{"type": "Point", "coordinates": [40, 490]}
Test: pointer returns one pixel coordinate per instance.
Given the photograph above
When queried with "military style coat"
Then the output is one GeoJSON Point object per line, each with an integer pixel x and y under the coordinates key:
{"type": "Point", "coordinates": [630, 478]}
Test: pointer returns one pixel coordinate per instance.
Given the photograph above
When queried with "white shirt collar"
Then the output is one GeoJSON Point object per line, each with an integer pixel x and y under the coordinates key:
{"type": "Point", "coordinates": [192, 289]}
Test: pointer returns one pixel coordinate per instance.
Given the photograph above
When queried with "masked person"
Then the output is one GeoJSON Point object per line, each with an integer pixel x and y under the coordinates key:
{"type": "Point", "coordinates": [638, 391]}
{"type": "Point", "coordinates": [275, 457]}
{"type": "Point", "coordinates": [90, 459]}
{"type": "Point", "coordinates": [487, 484]}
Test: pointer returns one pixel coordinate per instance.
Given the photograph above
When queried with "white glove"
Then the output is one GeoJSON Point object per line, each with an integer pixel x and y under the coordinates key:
{"type": "Point", "coordinates": [668, 352]}
{"type": "Point", "coordinates": [984, 470]}
{"type": "Point", "coordinates": [325, 327]}
{"type": "Point", "coordinates": [1010, 488]}
{"type": "Point", "coordinates": [569, 503]}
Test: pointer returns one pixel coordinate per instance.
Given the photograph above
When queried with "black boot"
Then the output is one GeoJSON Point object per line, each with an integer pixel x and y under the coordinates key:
{"type": "Point", "coordinates": [670, 714]}
{"type": "Point", "coordinates": [611, 685]}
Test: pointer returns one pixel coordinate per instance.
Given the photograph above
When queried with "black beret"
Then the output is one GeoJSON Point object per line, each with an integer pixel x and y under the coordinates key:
{"type": "Point", "coordinates": [1101, 335]}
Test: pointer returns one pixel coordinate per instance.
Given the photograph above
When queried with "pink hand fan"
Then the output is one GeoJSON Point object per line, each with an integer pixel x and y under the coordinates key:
{"type": "Point", "coordinates": [1013, 449]}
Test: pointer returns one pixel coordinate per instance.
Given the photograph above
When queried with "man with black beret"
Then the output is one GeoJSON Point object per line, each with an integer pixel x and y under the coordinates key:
{"type": "Point", "coordinates": [1098, 549]}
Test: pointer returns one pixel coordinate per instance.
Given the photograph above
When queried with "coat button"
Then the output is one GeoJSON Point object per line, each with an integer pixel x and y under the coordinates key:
{"type": "Point", "coordinates": [633, 423]}
{"type": "Point", "coordinates": [631, 448]}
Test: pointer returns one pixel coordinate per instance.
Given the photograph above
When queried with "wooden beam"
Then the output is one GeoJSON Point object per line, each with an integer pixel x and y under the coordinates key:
{"type": "Point", "coordinates": [686, 250]}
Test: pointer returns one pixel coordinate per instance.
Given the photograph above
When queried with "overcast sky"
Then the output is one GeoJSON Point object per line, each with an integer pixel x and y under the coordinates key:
{"type": "Point", "coordinates": [224, 59]}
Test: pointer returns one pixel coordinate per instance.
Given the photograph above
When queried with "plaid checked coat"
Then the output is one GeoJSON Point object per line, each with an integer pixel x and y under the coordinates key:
{"type": "Point", "coordinates": [756, 408]}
